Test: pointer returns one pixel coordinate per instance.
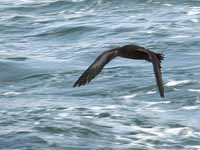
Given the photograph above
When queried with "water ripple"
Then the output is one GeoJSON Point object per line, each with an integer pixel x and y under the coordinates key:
{"type": "Point", "coordinates": [46, 45]}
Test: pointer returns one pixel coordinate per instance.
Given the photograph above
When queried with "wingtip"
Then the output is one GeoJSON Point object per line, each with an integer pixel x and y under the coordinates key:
{"type": "Point", "coordinates": [160, 56]}
{"type": "Point", "coordinates": [78, 84]}
{"type": "Point", "coordinates": [74, 85]}
{"type": "Point", "coordinates": [162, 95]}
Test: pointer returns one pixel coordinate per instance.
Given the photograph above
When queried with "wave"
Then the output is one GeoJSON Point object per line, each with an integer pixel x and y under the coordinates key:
{"type": "Point", "coordinates": [20, 139]}
{"type": "Point", "coordinates": [62, 31]}
{"type": "Point", "coordinates": [76, 130]}
{"type": "Point", "coordinates": [178, 83]}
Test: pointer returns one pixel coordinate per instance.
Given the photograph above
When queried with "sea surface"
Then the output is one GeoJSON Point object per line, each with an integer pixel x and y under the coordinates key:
{"type": "Point", "coordinates": [45, 45]}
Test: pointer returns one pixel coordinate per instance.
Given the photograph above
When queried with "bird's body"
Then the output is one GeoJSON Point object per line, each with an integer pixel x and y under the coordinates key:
{"type": "Point", "coordinates": [127, 51]}
{"type": "Point", "coordinates": [134, 52]}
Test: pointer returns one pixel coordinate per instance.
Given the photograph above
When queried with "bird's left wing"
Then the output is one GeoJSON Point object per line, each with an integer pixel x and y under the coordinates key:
{"type": "Point", "coordinates": [95, 68]}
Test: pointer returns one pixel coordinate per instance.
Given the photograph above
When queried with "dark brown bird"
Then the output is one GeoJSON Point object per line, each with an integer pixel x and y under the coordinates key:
{"type": "Point", "coordinates": [127, 51]}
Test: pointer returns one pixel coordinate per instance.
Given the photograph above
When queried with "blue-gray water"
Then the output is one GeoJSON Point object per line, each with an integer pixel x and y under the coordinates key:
{"type": "Point", "coordinates": [45, 46]}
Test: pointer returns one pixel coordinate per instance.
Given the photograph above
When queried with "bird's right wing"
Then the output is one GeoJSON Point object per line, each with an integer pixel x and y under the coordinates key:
{"type": "Point", "coordinates": [95, 68]}
{"type": "Point", "coordinates": [156, 60]}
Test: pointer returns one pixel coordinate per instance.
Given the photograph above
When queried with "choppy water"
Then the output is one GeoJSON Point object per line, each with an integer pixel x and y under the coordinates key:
{"type": "Point", "coordinates": [44, 47]}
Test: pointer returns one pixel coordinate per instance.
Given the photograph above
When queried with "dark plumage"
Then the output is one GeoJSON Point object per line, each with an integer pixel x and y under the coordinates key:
{"type": "Point", "coordinates": [127, 51]}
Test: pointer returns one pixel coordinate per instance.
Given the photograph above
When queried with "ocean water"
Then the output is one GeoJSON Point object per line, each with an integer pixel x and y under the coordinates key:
{"type": "Point", "coordinates": [44, 47]}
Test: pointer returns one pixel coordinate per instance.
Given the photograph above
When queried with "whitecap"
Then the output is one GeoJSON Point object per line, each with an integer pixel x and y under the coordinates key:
{"type": "Point", "coordinates": [194, 90]}
{"type": "Point", "coordinates": [127, 97]}
{"type": "Point", "coordinates": [36, 123]}
{"type": "Point", "coordinates": [10, 94]}
{"type": "Point", "coordinates": [121, 138]}
{"type": "Point", "coordinates": [96, 108]}
{"type": "Point", "coordinates": [71, 108]}
{"type": "Point", "coordinates": [149, 32]}
{"type": "Point", "coordinates": [151, 106]}
{"type": "Point", "coordinates": [103, 108]}
{"type": "Point", "coordinates": [152, 132]}
{"type": "Point", "coordinates": [182, 131]}
{"type": "Point", "coordinates": [194, 11]}
{"type": "Point", "coordinates": [159, 102]}
{"type": "Point", "coordinates": [63, 115]}
{"type": "Point", "coordinates": [173, 131]}
{"type": "Point", "coordinates": [175, 83]}
{"type": "Point", "coordinates": [88, 117]}
{"type": "Point", "coordinates": [167, 4]}
{"type": "Point", "coordinates": [196, 147]}
{"type": "Point", "coordinates": [190, 107]}
{"type": "Point", "coordinates": [156, 109]}
{"type": "Point", "coordinates": [180, 36]}
{"type": "Point", "coordinates": [194, 20]}
{"type": "Point", "coordinates": [159, 132]}
{"type": "Point", "coordinates": [151, 92]}
{"type": "Point", "coordinates": [26, 1]}
{"type": "Point", "coordinates": [111, 107]}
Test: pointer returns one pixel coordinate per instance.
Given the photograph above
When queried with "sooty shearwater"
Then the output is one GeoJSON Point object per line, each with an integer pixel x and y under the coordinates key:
{"type": "Point", "coordinates": [127, 51]}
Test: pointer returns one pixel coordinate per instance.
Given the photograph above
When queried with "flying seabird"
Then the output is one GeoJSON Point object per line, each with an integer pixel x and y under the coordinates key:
{"type": "Point", "coordinates": [127, 51]}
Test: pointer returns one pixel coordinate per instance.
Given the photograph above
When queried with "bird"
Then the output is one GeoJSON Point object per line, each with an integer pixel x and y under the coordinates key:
{"type": "Point", "coordinates": [128, 51]}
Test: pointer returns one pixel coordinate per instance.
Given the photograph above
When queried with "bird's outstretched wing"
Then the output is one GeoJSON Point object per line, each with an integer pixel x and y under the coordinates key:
{"type": "Point", "coordinates": [156, 60]}
{"type": "Point", "coordinates": [95, 68]}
